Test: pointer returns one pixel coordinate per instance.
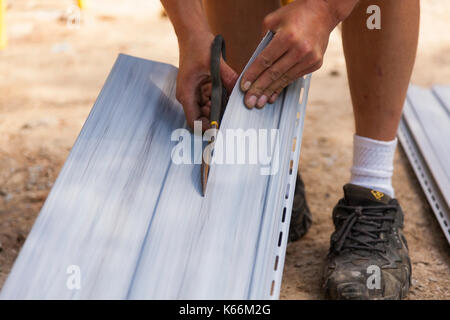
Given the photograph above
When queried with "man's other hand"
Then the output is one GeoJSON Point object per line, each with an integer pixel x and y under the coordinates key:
{"type": "Point", "coordinates": [194, 78]}
{"type": "Point", "coordinates": [302, 30]}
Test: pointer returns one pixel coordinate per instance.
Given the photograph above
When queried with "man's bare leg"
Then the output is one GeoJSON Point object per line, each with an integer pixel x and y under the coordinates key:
{"type": "Point", "coordinates": [368, 258]}
{"type": "Point", "coordinates": [241, 25]}
{"type": "Point", "coordinates": [379, 64]}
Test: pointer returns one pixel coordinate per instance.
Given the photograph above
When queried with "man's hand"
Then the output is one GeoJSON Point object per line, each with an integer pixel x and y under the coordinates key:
{"type": "Point", "coordinates": [302, 30]}
{"type": "Point", "coordinates": [194, 78]}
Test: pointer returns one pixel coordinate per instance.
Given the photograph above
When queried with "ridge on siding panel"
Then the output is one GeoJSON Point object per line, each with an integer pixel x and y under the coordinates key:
{"type": "Point", "coordinates": [425, 136]}
{"type": "Point", "coordinates": [432, 124]}
{"type": "Point", "coordinates": [443, 95]}
{"type": "Point", "coordinates": [134, 224]}
{"type": "Point", "coordinates": [98, 211]}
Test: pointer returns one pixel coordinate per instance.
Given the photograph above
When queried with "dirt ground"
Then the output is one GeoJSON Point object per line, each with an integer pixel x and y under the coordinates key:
{"type": "Point", "coordinates": [53, 70]}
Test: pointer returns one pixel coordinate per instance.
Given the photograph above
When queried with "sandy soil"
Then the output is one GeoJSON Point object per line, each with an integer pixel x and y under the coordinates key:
{"type": "Point", "coordinates": [51, 74]}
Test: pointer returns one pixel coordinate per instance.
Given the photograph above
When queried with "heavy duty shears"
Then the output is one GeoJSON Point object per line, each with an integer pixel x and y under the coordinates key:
{"type": "Point", "coordinates": [219, 99]}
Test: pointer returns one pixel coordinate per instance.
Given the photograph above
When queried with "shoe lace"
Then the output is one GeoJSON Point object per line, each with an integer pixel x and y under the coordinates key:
{"type": "Point", "coordinates": [362, 227]}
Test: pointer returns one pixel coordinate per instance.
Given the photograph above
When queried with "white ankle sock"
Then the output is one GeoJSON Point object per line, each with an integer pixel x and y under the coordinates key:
{"type": "Point", "coordinates": [373, 164]}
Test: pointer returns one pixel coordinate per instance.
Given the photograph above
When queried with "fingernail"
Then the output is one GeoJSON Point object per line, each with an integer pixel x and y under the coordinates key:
{"type": "Point", "coordinates": [262, 101]}
{"type": "Point", "coordinates": [246, 85]}
{"type": "Point", "coordinates": [273, 98]}
{"type": "Point", "coordinates": [251, 101]}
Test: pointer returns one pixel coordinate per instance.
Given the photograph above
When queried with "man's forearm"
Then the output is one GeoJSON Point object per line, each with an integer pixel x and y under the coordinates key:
{"type": "Point", "coordinates": [187, 17]}
{"type": "Point", "coordinates": [341, 8]}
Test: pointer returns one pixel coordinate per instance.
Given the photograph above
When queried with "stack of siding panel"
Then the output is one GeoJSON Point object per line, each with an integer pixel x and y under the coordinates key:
{"type": "Point", "coordinates": [425, 136]}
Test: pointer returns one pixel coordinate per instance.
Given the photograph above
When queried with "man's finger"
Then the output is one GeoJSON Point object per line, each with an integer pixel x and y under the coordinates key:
{"type": "Point", "coordinates": [191, 111]}
{"type": "Point", "coordinates": [205, 123]}
{"type": "Point", "coordinates": [206, 109]}
{"type": "Point", "coordinates": [296, 72]}
{"type": "Point", "coordinates": [188, 96]}
{"type": "Point", "coordinates": [272, 74]}
{"type": "Point", "coordinates": [274, 50]}
{"type": "Point", "coordinates": [228, 76]}
{"type": "Point", "coordinates": [273, 98]}
{"type": "Point", "coordinates": [205, 92]}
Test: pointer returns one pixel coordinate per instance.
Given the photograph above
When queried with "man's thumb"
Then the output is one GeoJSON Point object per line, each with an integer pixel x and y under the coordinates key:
{"type": "Point", "coordinates": [228, 75]}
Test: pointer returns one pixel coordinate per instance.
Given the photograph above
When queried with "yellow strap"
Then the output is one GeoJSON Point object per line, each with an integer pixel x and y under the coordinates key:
{"type": "Point", "coordinates": [82, 4]}
{"type": "Point", "coordinates": [215, 123]}
{"type": "Point", "coordinates": [285, 2]}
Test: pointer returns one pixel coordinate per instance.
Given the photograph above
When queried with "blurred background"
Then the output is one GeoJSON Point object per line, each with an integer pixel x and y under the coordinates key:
{"type": "Point", "coordinates": [57, 57]}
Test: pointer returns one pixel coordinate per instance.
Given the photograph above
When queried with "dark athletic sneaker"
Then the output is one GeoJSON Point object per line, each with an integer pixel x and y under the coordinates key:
{"type": "Point", "coordinates": [368, 257]}
{"type": "Point", "coordinates": [301, 216]}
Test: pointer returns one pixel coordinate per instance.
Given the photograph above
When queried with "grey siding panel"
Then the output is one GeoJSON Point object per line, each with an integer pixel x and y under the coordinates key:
{"type": "Point", "coordinates": [136, 224]}
{"type": "Point", "coordinates": [425, 135]}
